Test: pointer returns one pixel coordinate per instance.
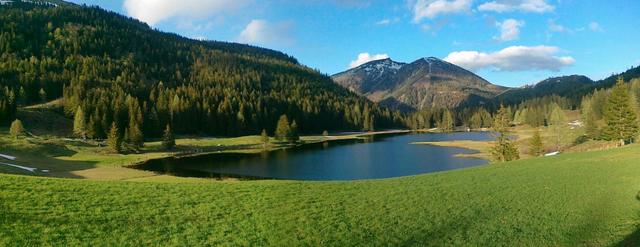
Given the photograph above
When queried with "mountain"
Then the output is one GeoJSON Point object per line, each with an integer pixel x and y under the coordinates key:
{"type": "Point", "coordinates": [424, 83]}
{"type": "Point", "coordinates": [565, 86]}
{"type": "Point", "coordinates": [120, 72]}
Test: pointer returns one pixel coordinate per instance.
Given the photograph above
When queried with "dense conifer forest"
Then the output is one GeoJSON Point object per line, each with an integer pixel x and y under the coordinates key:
{"type": "Point", "coordinates": [109, 69]}
{"type": "Point", "coordinates": [114, 71]}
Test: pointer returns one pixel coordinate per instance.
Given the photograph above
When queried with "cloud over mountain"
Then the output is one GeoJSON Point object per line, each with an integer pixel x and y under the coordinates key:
{"type": "Point", "coordinates": [513, 58]}
{"type": "Point", "coordinates": [263, 32]}
{"type": "Point", "coordinates": [365, 58]}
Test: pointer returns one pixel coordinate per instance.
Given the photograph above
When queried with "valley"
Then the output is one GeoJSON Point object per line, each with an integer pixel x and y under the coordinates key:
{"type": "Point", "coordinates": [239, 123]}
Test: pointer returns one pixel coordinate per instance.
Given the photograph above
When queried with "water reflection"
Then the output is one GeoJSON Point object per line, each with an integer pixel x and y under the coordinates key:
{"type": "Point", "coordinates": [370, 158]}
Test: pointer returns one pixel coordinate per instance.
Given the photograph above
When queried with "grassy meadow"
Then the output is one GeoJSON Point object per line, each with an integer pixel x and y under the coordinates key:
{"type": "Point", "coordinates": [588, 199]}
{"type": "Point", "coordinates": [583, 199]}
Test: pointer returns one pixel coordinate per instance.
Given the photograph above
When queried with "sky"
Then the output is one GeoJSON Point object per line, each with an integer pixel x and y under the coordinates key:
{"type": "Point", "coordinates": [508, 42]}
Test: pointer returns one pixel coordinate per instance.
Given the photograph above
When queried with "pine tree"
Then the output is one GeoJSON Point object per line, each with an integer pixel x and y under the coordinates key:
{"type": "Point", "coordinates": [114, 142]}
{"type": "Point", "coordinates": [537, 147]}
{"type": "Point", "coordinates": [446, 124]}
{"type": "Point", "coordinates": [168, 140]}
{"type": "Point", "coordinates": [558, 124]}
{"type": "Point", "coordinates": [620, 115]}
{"type": "Point", "coordinates": [16, 129]}
{"type": "Point", "coordinates": [43, 95]}
{"type": "Point", "coordinates": [589, 119]}
{"type": "Point", "coordinates": [134, 136]}
{"type": "Point", "coordinates": [293, 135]}
{"type": "Point", "coordinates": [282, 129]}
{"type": "Point", "coordinates": [79, 124]}
{"type": "Point", "coordinates": [264, 137]}
{"type": "Point", "coordinates": [504, 149]}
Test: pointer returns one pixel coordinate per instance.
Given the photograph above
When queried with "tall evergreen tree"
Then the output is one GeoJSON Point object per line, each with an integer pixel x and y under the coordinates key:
{"type": "Point", "coordinates": [79, 124]}
{"type": "Point", "coordinates": [537, 147]}
{"type": "Point", "coordinates": [558, 124]}
{"type": "Point", "coordinates": [589, 119]}
{"type": "Point", "coordinates": [43, 95]}
{"type": "Point", "coordinates": [16, 129]}
{"type": "Point", "coordinates": [446, 124]}
{"type": "Point", "coordinates": [620, 115]}
{"type": "Point", "coordinates": [264, 137]}
{"type": "Point", "coordinates": [504, 149]}
{"type": "Point", "coordinates": [282, 129]}
{"type": "Point", "coordinates": [114, 142]}
{"type": "Point", "coordinates": [168, 140]}
{"type": "Point", "coordinates": [293, 135]}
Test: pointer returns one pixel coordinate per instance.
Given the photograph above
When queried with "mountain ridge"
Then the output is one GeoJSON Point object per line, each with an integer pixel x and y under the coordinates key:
{"type": "Point", "coordinates": [425, 82]}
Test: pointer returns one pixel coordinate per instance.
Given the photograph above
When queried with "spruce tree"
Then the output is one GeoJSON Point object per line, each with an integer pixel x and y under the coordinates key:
{"type": "Point", "coordinates": [589, 120]}
{"type": "Point", "coordinates": [620, 115]}
{"type": "Point", "coordinates": [264, 137]}
{"type": "Point", "coordinates": [43, 95]}
{"type": "Point", "coordinates": [16, 128]}
{"type": "Point", "coordinates": [282, 128]}
{"type": "Point", "coordinates": [168, 140]}
{"type": "Point", "coordinates": [537, 147]}
{"type": "Point", "coordinates": [114, 142]}
{"type": "Point", "coordinates": [447, 123]}
{"type": "Point", "coordinates": [79, 124]}
{"type": "Point", "coordinates": [558, 124]}
{"type": "Point", "coordinates": [134, 136]}
{"type": "Point", "coordinates": [293, 135]}
{"type": "Point", "coordinates": [504, 149]}
{"type": "Point", "coordinates": [476, 121]}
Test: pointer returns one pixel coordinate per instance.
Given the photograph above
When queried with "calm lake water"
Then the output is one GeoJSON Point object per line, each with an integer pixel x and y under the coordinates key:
{"type": "Point", "coordinates": [378, 157]}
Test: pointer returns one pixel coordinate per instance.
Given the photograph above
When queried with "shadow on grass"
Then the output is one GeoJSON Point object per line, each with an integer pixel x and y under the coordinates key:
{"type": "Point", "coordinates": [634, 238]}
{"type": "Point", "coordinates": [41, 154]}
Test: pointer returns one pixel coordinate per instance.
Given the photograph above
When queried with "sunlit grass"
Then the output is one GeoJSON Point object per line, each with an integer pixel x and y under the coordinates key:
{"type": "Point", "coordinates": [572, 199]}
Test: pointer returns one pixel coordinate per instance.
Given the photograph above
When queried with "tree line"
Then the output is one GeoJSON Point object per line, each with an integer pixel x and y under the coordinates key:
{"type": "Point", "coordinates": [109, 69]}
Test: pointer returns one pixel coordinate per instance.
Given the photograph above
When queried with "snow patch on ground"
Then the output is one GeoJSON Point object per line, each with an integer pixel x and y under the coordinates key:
{"type": "Point", "coordinates": [7, 157]}
{"type": "Point", "coordinates": [31, 169]}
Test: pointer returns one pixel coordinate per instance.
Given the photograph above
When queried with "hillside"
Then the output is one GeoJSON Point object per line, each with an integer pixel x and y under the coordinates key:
{"type": "Point", "coordinates": [566, 86]}
{"type": "Point", "coordinates": [572, 87]}
{"type": "Point", "coordinates": [119, 70]}
{"type": "Point", "coordinates": [582, 199]}
{"type": "Point", "coordinates": [424, 83]}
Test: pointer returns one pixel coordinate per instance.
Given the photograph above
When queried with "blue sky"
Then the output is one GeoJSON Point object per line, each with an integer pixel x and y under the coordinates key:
{"type": "Point", "coordinates": [508, 42]}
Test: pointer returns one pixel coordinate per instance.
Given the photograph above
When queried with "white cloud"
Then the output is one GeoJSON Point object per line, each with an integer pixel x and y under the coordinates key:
{"type": "Point", "coordinates": [594, 26]}
{"type": "Point", "coordinates": [432, 8]}
{"type": "Point", "coordinates": [514, 58]}
{"type": "Point", "coordinates": [509, 30]}
{"type": "Point", "coordinates": [265, 33]}
{"type": "Point", "coordinates": [365, 58]}
{"type": "Point", "coordinates": [554, 27]}
{"type": "Point", "coordinates": [154, 11]}
{"type": "Point", "coordinates": [387, 21]}
{"type": "Point", "coordinates": [383, 22]}
{"type": "Point", "coordinates": [500, 6]}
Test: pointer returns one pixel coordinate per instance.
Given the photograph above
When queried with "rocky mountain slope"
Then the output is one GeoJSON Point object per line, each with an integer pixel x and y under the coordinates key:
{"type": "Point", "coordinates": [426, 82]}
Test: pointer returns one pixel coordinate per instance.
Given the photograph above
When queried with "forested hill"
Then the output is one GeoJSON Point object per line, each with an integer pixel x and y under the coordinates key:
{"type": "Point", "coordinates": [573, 88]}
{"type": "Point", "coordinates": [114, 69]}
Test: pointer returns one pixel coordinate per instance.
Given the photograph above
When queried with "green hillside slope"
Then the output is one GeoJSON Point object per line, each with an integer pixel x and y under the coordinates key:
{"type": "Point", "coordinates": [587, 199]}
{"type": "Point", "coordinates": [118, 69]}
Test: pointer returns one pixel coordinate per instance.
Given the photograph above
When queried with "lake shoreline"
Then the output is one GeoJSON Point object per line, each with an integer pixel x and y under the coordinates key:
{"type": "Point", "coordinates": [318, 163]}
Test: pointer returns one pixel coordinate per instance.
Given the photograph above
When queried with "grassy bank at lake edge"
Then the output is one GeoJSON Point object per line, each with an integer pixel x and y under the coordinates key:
{"type": "Point", "coordinates": [69, 158]}
{"type": "Point", "coordinates": [580, 199]}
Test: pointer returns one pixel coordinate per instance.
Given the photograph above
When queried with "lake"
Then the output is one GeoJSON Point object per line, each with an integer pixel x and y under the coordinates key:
{"type": "Point", "coordinates": [376, 157]}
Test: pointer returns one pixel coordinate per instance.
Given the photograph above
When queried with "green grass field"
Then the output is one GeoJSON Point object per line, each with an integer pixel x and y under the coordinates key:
{"type": "Point", "coordinates": [584, 199]}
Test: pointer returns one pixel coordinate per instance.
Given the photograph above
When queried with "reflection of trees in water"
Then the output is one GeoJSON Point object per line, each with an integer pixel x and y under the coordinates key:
{"type": "Point", "coordinates": [167, 166]}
